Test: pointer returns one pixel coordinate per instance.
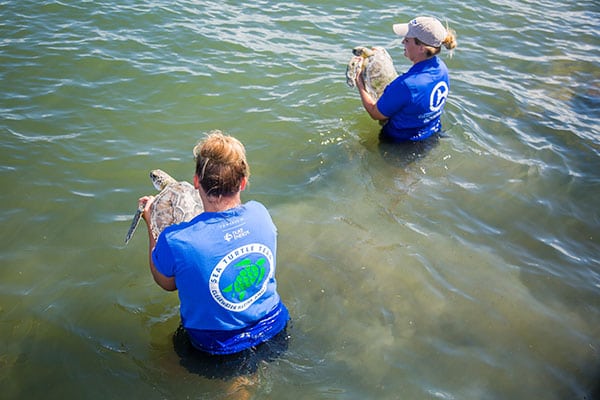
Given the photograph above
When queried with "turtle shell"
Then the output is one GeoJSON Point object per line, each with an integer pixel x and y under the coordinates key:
{"type": "Point", "coordinates": [177, 202]}
{"type": "Point", "coordinates": [377, 69]}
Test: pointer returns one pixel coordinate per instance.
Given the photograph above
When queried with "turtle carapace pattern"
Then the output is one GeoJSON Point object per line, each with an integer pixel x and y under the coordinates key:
{"type": "Point", "coordinates": [177, 201]}
{"type": "Point", "coordinates": [376, 66]}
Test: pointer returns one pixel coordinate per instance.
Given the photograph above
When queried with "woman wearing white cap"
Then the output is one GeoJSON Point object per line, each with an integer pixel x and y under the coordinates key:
{"type": "Point", "coordinates": [411, 105]}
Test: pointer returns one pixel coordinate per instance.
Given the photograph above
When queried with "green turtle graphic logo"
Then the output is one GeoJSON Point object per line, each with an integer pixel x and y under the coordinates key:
{"type": "Point", "coordinates": [251, 274]}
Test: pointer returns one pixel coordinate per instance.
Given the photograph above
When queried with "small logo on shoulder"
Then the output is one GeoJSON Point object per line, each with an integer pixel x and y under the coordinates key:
{"type": "Point", "coordinates": [237, 234]}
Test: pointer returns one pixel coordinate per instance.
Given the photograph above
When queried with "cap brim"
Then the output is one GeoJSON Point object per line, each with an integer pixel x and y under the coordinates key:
{"type": "Point", "coordinates": [400, 29]}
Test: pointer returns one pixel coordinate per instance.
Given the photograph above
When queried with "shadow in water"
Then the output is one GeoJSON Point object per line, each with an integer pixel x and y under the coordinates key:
{"type": "Point", "coordinates": [595, 389]}
{"type": "Point", "coordinates": [402, 154]}
{"type": "Point", "coordinates": [227, 367]}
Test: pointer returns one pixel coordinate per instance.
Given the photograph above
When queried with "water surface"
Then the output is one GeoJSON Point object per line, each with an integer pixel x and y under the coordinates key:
{"type": "Point", "coordinates": [467, 268]}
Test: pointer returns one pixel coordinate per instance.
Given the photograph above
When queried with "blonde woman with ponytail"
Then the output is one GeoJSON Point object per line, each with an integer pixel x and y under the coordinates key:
{"type": "Point", "coordinates": [412, 105]}
{"type": "Point", "coordinates": [222, 263]}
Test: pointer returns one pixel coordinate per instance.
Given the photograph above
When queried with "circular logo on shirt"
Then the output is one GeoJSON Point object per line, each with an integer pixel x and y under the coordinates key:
{"type": "Point", "coordinates": [438, 96]}
{"type": "Point", "coordinates": [241, 277]}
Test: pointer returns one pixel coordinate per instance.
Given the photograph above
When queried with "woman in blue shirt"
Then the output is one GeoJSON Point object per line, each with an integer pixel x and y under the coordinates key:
{"type": "Point", "coordinates": [411, 106]}
{"type": "Point", "coordinates": [222, 262]}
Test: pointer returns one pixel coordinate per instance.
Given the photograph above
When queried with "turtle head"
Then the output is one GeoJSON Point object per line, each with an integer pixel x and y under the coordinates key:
{"type": "Point", "coordinates": [160, 179]}
{"type": "Point", "coordinates": [362, 51]}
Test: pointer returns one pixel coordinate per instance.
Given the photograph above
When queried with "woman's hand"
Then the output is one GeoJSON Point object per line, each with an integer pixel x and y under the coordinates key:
{"type": "Point", "coordinates": [360, 83]}
{"type": "Point", "coordinates": [144, 203]}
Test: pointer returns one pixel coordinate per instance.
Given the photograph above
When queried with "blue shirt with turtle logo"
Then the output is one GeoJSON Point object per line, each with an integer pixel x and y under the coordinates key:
{"type": "Point", "coordinates": [224, 268]}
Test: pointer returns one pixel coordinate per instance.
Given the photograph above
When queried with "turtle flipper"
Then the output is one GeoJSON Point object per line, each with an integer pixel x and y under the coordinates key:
{"type": "Point", "coordinates": [134, 223]}
{"type": "Point", "coordinates": [354, 65]}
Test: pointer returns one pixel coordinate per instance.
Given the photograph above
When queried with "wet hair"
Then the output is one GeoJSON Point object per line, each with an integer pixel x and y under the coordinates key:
{"type": "Point", "coordinates": [449, 43]}
{"type": "Point", "coordinates": [220, 164]}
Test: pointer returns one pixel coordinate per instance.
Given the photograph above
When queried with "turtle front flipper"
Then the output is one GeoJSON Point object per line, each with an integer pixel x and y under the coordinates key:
{"type": "Point", "coordinates": [134, 223]}
{"type": "Point", "coordinates": [354, 65]}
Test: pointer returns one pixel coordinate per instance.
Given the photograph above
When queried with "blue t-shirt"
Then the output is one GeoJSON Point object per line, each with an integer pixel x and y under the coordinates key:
{"type": "Point", "coordinates": [415, 100]}
{"type": "Point", "coordinates": [224, 269]}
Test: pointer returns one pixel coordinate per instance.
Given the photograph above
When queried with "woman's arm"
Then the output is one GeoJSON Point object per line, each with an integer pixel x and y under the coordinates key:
{"type": "Point", "coordinates": [162, 281]}
{"type": "Point", "coordinates": [368, 102]}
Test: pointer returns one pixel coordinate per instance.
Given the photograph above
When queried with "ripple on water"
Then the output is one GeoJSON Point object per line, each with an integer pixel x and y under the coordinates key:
{"type": "Point", "coordinates": [475, 258]}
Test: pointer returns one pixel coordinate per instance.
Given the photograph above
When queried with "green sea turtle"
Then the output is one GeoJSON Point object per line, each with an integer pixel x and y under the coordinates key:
{"type": "Point", "coordinates": [177, 202]}
{"type": "Point", "coordinates": [377, 69]}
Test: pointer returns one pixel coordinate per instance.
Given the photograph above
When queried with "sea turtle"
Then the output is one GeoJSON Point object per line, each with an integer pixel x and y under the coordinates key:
{"type": "Point", "coordinates": [376, 66]}
{"type": "Point", "coordinates": [177, 202]}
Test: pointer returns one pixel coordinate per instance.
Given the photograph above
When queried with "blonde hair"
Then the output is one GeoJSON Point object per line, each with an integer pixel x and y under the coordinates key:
{"type": "Point", "coordinates": [220, 164]}
{"type": "Point", "coordinates": [449, 43]}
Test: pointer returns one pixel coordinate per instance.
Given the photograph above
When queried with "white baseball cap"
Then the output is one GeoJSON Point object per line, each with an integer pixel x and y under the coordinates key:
{"type": "Point", "coordinates": [428, 30]}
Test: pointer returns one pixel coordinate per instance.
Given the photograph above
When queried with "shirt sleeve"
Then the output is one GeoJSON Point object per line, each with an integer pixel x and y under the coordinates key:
{"type": "Point", "coordinates": [395, 96]}
{"type": "Point", "coordinates": [162, 257]}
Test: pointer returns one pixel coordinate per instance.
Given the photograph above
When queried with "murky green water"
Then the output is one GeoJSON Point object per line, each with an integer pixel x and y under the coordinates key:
{"type": "Point", "coordinates": [467, 269]}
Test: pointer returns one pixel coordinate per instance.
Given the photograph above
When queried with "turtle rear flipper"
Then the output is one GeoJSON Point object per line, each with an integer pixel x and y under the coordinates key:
{"type": "Point", "coordinates": [134, 223]}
